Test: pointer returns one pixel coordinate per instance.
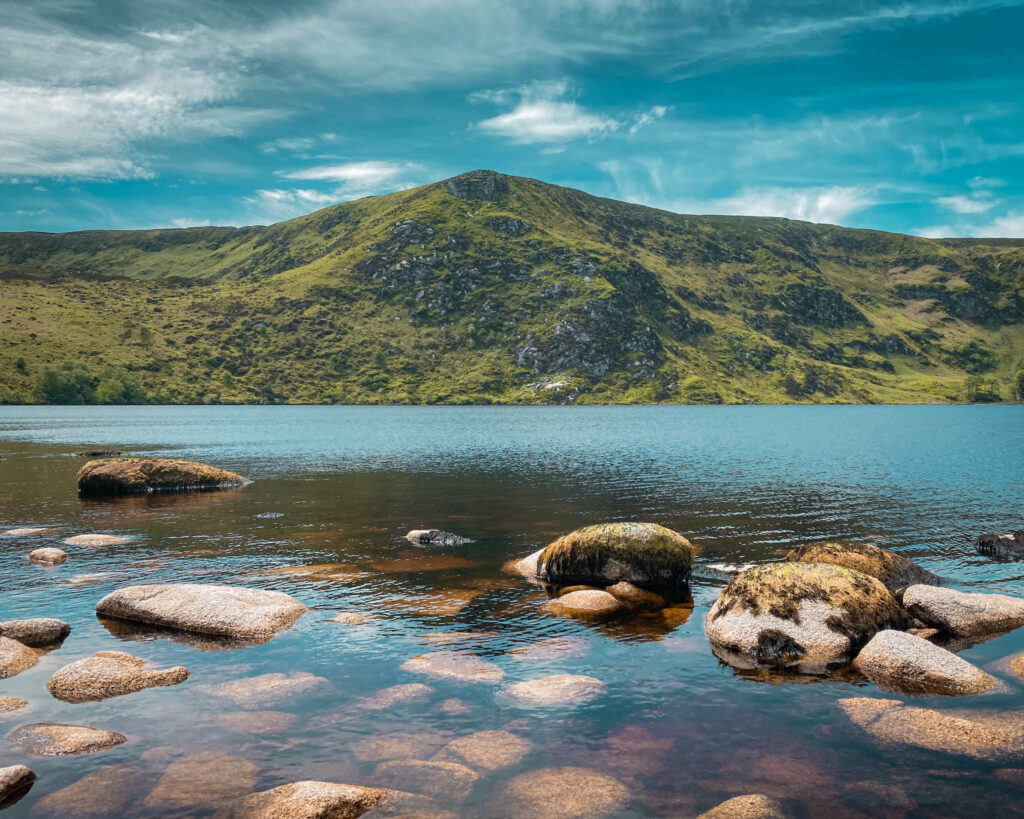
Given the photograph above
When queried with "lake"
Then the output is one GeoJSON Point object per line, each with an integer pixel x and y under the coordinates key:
{"type": "Point", "coordinates": [337, 488]}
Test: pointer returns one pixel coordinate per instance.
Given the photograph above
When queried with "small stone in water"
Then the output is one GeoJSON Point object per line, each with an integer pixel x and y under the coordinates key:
{"type": "Point", "coordinates": [53, 739]}
{"type": "Point", "coordinates": [8, 704]}
{"type": "Point", "coordinates": [454, 665]}
{"type": "Point", "coordinates": [48, 556]}
{"type": "Point", "coordinates": [388, 697]}
{"type": "Point", "coordinates": [95, 540]}
{"type": "Point", "coordinates": [561, 793]}
{"type": "Point", "coordinates": [15, 657]}
{"type": "Point", "coordinates": [443, 779]}
{"type": "Point", "coordinates": [109, 674]}
{"type": "Point", "coordinates": [490, 750]}
{"type": "Point", "coordinates": [754, 806]}
{"type": "Point", "coordinates": [556, 689]}
{"type": "Point", "coordinates": [349, 618]}
{"type": "Point", "coordinates": [256, 722]}
{"type": "Point", "coordinates": [15, 782]}
{"type": "Point", "coordinates": [203, 781]}
{"type": "Point", "coordinates": [37, 632]}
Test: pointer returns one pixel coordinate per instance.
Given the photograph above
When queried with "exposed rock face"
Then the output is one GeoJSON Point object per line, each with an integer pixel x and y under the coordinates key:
{"type": "Point", "coordinates": [561, 793]}
{"type": "Point", "coordinates": [965, 615]}
{"type": "Point", "coordinates": [15, 782]}
{"type": "Point", "coordinates": [205, 780]}
{"type": "Point", "coordinates": [786, 613]}
{"type": "Point", "coordinates": [306, 800]}
{"type": "Point", "coordinates": [436, 537]}
{"type": "Point", "coordinates": [754, 806]}
{"type": "Point", "coordinates": [109, 674]}
{"type": "Point", "coordinates": [205, 608]}
{"type": "Point", "coordinates": [489, 750]}
{"type": "Point", "coordinates": [36, 632]}
{"type": "Point", "coordinates": [448, 779]}
{"type": "Point", "coordinates": [636, 597]}
{"type": "Point", "coordinates": [989, 736]}
{"type": "Point", "coordinates": [143, 476]}
{"type": "Point", "coordinates": [898, 661]}
{"type": "Point", "coordinates": [454, 665]}
{"type": "Point", "coordinates": [644, 554]}
{"type": "Point", "coordinates": [894, 570]}
{"type": "Point", "coordinates": [1008, 545]}
{"type": "Point", "coordinates": [53, 739]}
{"type": "Point", "coordinates": [95, 540]}
{"type": "Point", "coordinates": [15, 657]}
{"type": "Point", "coordinates": [486, 185]}
{"type": "Point", "coordinates": [556, 689]}
{"type": "Point", "coordinates": [49, 556]}
{"type": "Point", "coordinates": [266, 689]}
{"type": "Point", "coordinates": [585, 603]}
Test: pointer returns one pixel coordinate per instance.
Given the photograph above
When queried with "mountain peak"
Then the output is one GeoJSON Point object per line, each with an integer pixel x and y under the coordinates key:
{"type": "Point", "coordinates": [480, 184]}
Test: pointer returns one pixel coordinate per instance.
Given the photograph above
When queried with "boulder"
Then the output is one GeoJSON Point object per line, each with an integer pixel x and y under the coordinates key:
{"type": "Point", "coordinates": [432, 778]}
{"type": "Point", "coordinates": [305, 800]}
{"type": "Point", "coordinates": [646, 554]}
{"type": "Point", "coordinates": [753, 806]}
{"type": "Point", "coordinates": [990, 736]}
{"type": "Point", "coordinates": [561, 793]}
{"type": "Point", "coordinates": [205, 608]}
{"type": "Point", "coordinates": [53, 739]}
{"type": "Point", "coordinates": [8, 704]}
{"type": "Point", "coordinates": [36, 632]}
{"type": "Point", "coordinates": [585, 603]}
{"type": "Point", "coordinates": [15, 782]}
{"type": "Point", "coordinates": [48, 556]}
{"type": "Point", "coordinates": [143, 476]}
{"type": "Point", "coordinates": [436, 537]}
{"type": "Point", "coordinates": [266, 689]}
{"type": "Point", "coordinates": [1008, 545]}
{"type": "Point", "coordinates": [894, 570]}
{"type": "Point", "coordinates": [786, 613]}
{"type": "Point", "coordinates": [109, 674]}
{"type": "Point", "coordinates": [635, 597]}
{"type": "Point", "coordinates": [963, 614]}
{"type": "Point", "coordinates": [555, 689]}
{"type": "Point", "coordinates": [898, 661]}
{"type": "Point", "coordinates": [15, 657]}
{"type": "Point", "coordinates": [454, 665]}
{"type": "Point", "coordinates": [489, 750]}
{"type": "Point", "coordinates": [95, 540]}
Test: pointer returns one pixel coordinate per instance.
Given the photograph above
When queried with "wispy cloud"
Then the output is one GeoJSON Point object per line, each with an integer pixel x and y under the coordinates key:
{"type": "Point", "coordinates": [965, 204]}
{"type": "Point", "coordinates": [831, 204]}
{"type": "Point", "coordinates": [368, 173]}
{"type": "Point", "coordinates": [544, 113]}
{"type": "Point", "coordinates": [655, 112]}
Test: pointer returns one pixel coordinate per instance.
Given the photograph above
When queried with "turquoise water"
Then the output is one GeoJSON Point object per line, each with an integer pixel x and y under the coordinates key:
{"type": "Point", "coordinates": [342, 485]}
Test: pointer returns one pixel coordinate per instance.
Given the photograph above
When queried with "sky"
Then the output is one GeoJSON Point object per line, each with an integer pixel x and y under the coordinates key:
{"type": "Point", "coordinates": [899, 116]}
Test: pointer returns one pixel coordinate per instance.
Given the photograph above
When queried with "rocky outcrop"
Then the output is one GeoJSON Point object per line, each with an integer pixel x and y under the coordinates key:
{"type": "Point", "coordinates": [436, 537]}
{"type": "Point", "coordinates": [645, 554]}
{"type": "Point", "coordinates": [754, 806]}
{"type": "Point", "coordinates": [53, 739]}
{"type": "Point", "coordinates": [36, 632]}
{"type": "Point", "coordinates": [556, 689]}
{"type": "Point", "coordinates": [266, 689]}
{"type": "Point", "coordinates": [900, 662]}
{"type": "Point", "coordinates": [791, 613]}
{"type": "Point", "coordinates": [47, 556]}
{"type": "Point", "coordinates": [1008, 545]}
{"type": "Point", "coordinates": [143, 476]}
{"type": "Point", "coordinates": [454, 665]}
{"type": "Point", "coordinates": [15, 657]}
{"type": "Point", "coordinates": [305, 800]}
{"type": "Point", "coordinates": [560, 793]}
{"type": "Point", "coordinates": [237, 612]}
{"type": "Point", "coordinates": [15, 782]}
{"type": "Point", "coordinates": [584, 603]}
{"type": "Point", "coordinates": [963, 614]}
{"type": "Point", "coordinates": [894, 570]}
{"type": "Point", "coordinates": [486, 185]}
{"type": "Point", "coordinates": [109, 674]}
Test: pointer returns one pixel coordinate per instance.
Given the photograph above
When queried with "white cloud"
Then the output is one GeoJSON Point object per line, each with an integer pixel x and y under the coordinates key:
{"type": "Point", "coordinates": [937, 232]}
{"type": "Point", "coordinates": [986, 182]}
{"type": "Point", "coordinates": [647, 117]}
{"type": "Point", "coordinates": [369, 173]}
{"type": "Point", "coordinates": [543, 114]}
{"type": "Point", "coordinates": [1010, 226]}
{"type": "Point", "coordinates": [303, 197]}
{"type": "Point", "coordinates": [187, 222]}
{"type": "Point", "coordinates": [831, 204]}
{"type": "Point", "coordinates": [964, 204]}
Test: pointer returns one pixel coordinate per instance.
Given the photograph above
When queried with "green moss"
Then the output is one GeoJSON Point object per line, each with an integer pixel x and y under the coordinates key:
{"type": "Point", "coordinates": [893, 570]}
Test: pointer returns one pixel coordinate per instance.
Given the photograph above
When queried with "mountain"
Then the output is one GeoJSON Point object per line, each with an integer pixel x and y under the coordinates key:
{"type": "Point", "coordinates": [490, 288]}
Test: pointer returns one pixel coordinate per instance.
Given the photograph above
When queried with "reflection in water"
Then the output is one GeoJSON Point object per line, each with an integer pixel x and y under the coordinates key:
{"type": "Point", "coordinates": [336, 491]}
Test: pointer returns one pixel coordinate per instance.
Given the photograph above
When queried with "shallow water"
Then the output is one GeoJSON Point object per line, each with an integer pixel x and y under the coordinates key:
{"type": "Point", "coordinates": [341, 486]}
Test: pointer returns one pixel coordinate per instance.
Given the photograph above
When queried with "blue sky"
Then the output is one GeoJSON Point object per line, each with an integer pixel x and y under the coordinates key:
{"type": "Point", "coordinates": [900, 116]}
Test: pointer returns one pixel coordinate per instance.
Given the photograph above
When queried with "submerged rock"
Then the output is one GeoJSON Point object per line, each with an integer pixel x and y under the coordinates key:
{"type": "Point", "coordinates": [202, 781]}
{"type": "Point", "coordinates": [454, 665]}
{"type": "Point", "coordinates": [36, 632]}
{"type": "Point", "coordinates": [8, 704]}
{"type": "Point", "coordinates": [646, 554]}
{"type": "Point", "coordinates": [54, 739]}
{"type": "Point", "coordinates": [15, 782]}
{"type": "Point", "coordinates": [103, 793]}
{"type": "Point", "coordinates": [109, 674]}
{"type": "Point", "coordinates": [436, 537]}
{"type": "Point", "coordinates": [48, 556]}
{"type": "Point", "coordinates": [489, 750]}
{"type": "Point", "coordinates": [399, 745]}
{"type": "Point", "coordinates": [256, 722]}
{"type": "Point", "coordinates": [785, 613]}
{"type": "Point", "coordinates": [991, 736]}
{"type": "Point", "coordinates": [205, 608]}
{"type": "Point", "coordinates": [15, 657]}
{"type": "Point", "coordinates": [561, 793]}
{"type": "Point", "coordinates": [305, 800]}
{"type": "Point", "coordinates": [962, 614]}
{"type": "Point", "coordinates": [393, 695]}
{"type": "Point", "coordinates": [349, 618]}
{"type": "Point", "coordinates": [897, 661]}
{"type": "Point", "coordinates": [142, 476]}
{"type": "Point", "coordinates": [556, 689]}
{"type": "Point", "coordinates": [894, 570]}
{"type": "Point", "coordinates": [266, 689]}
{"type": "Point", "coordinates": [1008, 545]}
{"type": "Point", "coordinates": [446, 779]}
{"type": "Point", "coordinates": [95, 540]}
{"type": "Point", "coordinates": [585, 603]}
{"type": "Point", "coordinates": [753, 806]}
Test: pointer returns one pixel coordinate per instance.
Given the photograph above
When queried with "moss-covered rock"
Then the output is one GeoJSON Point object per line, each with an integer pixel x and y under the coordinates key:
{"type": "Point", "coordinates": [142, 476]}
{"type": "Point", "coordinates": [645, 554]}
{"type": "Point", "coordinates": [894, 570]}
{"type": "Point", "coordinates": [789, 613]}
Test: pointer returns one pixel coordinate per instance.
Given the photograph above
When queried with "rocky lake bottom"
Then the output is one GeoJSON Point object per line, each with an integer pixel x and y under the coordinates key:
{"type": "Point", "coordinates": [415, 667]}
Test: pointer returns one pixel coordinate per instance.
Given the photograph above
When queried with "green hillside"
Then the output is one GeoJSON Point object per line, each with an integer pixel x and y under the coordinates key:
{"type": "Point", "coordinates": [488, 288]}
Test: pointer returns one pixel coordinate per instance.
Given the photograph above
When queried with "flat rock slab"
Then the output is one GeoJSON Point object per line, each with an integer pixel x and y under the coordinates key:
{"type": "Point", "coordinates": [109, 674]}
{"type": "Point", "coordinates": [488, 750]}
{"type": "Point", "coordinates": [306, 800]}
{"type": "Point", "coordinates": [205, 608]}
{"type": "Point", "coordinates": [561, 793]}
{"type": "Point", "coordinates": [95, 540]}
{"type": "Point", "coordinates": [15, 657]}
{"type": "Point", "coordinates": [963, 614]}
{"type": "Point", "coordinates": [442, 779]}
{"type": "Point", "coordinates": [556, 689]}
{"type": "Point", "coordinates": [142, 476]}
{"type": "Point", "coordinates": [49, 556]}
{"type": "Point", "coordinates": [456, 666]}
{"type": "Point", "coordinates": [753, 806]}
{"type": "Point", "coordinates": [203, 781]}
{"type": "Point", "coordinates": [901, 662]}
{"type": "Point", "coordinates": [15, 782]}
{"type": "Point", "coordinates": [585, 603]}
{"type": "Point", "coordinates": [54, 739]}
{"type": "Point", "coordinates": [37, 632]}
{"type": "Point", "coordinates": [991, 736]}
{"type": "Point", "coordinates": [266, 689]}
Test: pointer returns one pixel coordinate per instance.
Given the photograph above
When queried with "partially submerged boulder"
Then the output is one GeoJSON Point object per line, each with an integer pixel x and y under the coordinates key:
{"type": "Point", "coordinates": [436, 537]}
{"type": "Point", "coordinates": [305, 800]}
{"type": "Point", "coordinates": [15, 782]}
{"type": "Point", "coordinates": [561, 793]}
{"type": "Point", "coordinates": [143, 476]}
{"type": "Point", "coordinates": [36, 632]}
{"type": "Point", "coordinates": [1009, 545]}
{"type": "Point", "coordinates": [47, 556]}
{"type": "Point", "coordinates": [205, 608]}
{"type": "Point", "coordinates": [109, 674]}
{"type": "Point", "coordinates": [645, 554]}
{"type": "Point", "coordinates": [788, 613]}
{"type": "Point", "coordinates": [54, 739]}
{"type": "Point", "coordinates": [15, 657]}
{"type": "Point", "coordinates": [902, 662]}
{"type": "Point", "coordinates": [894, 570]}
{"type": "Point", "coordinates": [963, 614]}
{"type": "Point", "coordinates": [752, 806]}
{"type": "Point", "coordinates": [585, 603]}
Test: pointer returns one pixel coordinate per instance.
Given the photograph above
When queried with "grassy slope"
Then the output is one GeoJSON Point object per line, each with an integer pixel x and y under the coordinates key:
{"type": "Point", "coordinates": [537, 294]}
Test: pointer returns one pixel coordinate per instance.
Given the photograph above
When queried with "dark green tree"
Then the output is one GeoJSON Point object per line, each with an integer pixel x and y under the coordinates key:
{"type": "Point", "coordinates": [70, 383]}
